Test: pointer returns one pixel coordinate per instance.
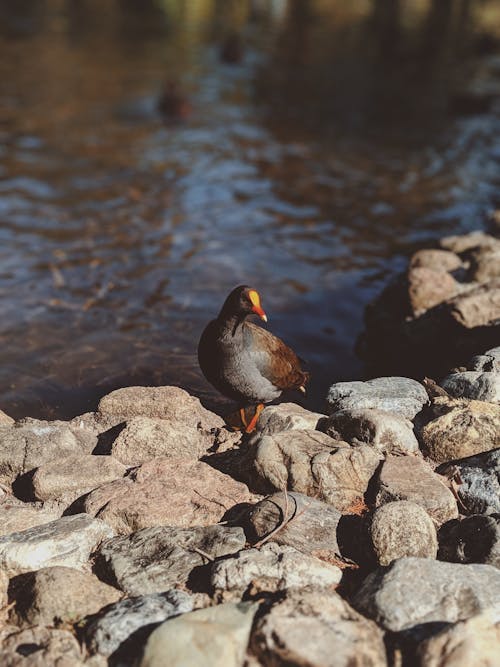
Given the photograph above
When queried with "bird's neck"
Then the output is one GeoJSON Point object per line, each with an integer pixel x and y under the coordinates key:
{"type": "Point", "coordinates": [231, 323]}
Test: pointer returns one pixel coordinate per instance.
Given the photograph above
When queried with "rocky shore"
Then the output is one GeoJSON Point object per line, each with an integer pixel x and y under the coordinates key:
{"type": "Point", "coordinates": [148, 534]}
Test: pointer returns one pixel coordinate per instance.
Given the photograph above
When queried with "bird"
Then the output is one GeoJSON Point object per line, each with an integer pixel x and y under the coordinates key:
{"type": "Point", "coordinates": [245, 362]}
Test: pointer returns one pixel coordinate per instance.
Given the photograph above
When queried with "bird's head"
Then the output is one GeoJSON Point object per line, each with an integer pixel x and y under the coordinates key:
{"type": "Point", "coordinates": [243, 301]}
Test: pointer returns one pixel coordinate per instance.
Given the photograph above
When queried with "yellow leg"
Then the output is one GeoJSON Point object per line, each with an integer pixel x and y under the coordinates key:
{"type": "Point", "coordinates": [253, 423]}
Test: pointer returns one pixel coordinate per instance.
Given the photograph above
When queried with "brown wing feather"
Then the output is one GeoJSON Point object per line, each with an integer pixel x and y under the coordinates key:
{"type": "Point", "coordinates": [275, 360]}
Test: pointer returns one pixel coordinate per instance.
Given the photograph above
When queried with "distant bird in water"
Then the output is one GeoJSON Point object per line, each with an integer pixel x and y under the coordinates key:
{"type": "Point", "coordinates": [245, 362]}
{"type": "Point", "coordinates": [173, 103]}
{"type": "Point", "coordinates": [231, 50]}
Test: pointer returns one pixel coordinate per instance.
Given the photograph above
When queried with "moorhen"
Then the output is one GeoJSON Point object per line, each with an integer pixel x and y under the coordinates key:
{"type": "Point", "coordinates": [245, 362]}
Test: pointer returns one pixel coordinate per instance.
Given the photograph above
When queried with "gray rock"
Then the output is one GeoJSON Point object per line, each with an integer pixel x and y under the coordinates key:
{"type": "Point", "coordinates": [475, 539]}
{"type": "Point", "coordinates": [464, 428]}
{"type": "Point", "coordinates": [386, 431]}
{"type": "Point", "coordinates": [413, 591]}
{"type": "Point", "coordinates": [489, 361]}
{"type": "Point", "coordinates": [402, 528]}
{"type": "Point", "coordinates": [317, 629]}
{"type": "Point", "coordinates": [411, 478]}
{"type": "Point", "coordinates": [272, 568]}
{"type": "Point", "coordinates": [70, 477]}
{"type": "Point", "coordinates": [285, 417]}
{"type": "Point", "coordinates": [400, 395]}
{"type": "Point", "coordinates": [153, 560]}
{"type": "Point", "coordinates": [312, 463]}
{"type": "Point", "coordinates": [68, 541]}
{"type": "Point", "coordinates": [213, 637]}
{"type": "Point", "coordinates": [474, 641]}
{"type": "Point", "coordinates": [58, 594]}
{"type": "Point", "coordinates": [17, 516]}
{"type": "Point", "coordinates": [310, 525]}
{"type": "Point", "coordinates": [480, 385]}
{"type": "Point", "coordinates": [105, 634]}
{"type": "Point", "coordinates": [479, 489]}
{"type": "Point", "coordinates": [40, 647]}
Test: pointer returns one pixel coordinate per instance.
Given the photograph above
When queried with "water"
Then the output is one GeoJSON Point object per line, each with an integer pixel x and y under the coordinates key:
{"type": "Point", "coordinates": [309, 170]}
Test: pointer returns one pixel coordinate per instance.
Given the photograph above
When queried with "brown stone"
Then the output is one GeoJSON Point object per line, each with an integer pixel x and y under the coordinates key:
{"type": "Point", "coordinates": [428, 287]}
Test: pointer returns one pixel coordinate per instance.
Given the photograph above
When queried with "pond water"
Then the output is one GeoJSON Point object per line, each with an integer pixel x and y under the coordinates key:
{"type": "Point", "coordinates": [345, 136]}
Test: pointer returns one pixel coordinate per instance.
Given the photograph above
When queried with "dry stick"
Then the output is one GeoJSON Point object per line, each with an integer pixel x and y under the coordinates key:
{"type": "Point", "coordinates": [204, 554]}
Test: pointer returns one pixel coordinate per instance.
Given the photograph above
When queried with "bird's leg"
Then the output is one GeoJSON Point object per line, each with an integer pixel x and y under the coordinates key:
{"type": "Point", "coordinates": [243, 418]}
{"type": "Point", "coordinates": [253, 423]}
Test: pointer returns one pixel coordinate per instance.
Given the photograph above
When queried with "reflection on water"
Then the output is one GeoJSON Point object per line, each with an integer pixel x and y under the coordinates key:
{"type": "Point", "coordinates": [341, 137]}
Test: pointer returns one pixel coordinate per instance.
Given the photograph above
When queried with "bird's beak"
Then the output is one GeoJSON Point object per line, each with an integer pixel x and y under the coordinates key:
{"type": "Point", "coordinates": [258, 311]}
{"type": "Point", "coordinates": [257, 308]}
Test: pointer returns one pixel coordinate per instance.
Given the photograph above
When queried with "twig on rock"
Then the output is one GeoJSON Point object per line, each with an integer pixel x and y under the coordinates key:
{"type": "Point", "coordinates": [204, 554]}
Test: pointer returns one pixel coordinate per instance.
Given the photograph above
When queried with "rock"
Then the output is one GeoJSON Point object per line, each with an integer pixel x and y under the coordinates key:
{"type": "Point", "coordinates": [272, 568]}
{"type": "Point", "coordinates": [438, 260]}
{"type": "Point", "coordinates": [474, 641]}
{"type": "Point", "coordinates": [478, 307]}
{"type": "Point", "coordinates": [58, 594]}
{"type": "Point", "coordinates": [312, 463]}
{"type": "Point", "coordinates": [387, 432]}
{"type": "Point", "coordinates": [465, 428]}
{"type": "Point", "coordinates": [4, 586]}
{"type": "Point", "coordinates": [428, 287]}
{"type": "Point", "coordinates": [70, 477]}
{"type": "Point", "coordinates": [213, 637]}
{"type": "Point", "coordinates": [144, 438]}
{"type": "Point", "coordinates": [152, 560]}
{"type": "Point", "coordinates": [400, 395]}
{"type": "Point", "coordinates": [462, 243]}
{"type": "Point", "coordinates": [68, 541]}
{"type": "Point", "coordinates": [410, 478]}
{"type": "Point", "coordinates": [40, 647]}
{"type": "Point", "coordinates": [166, 492]}
{"type": "Point", "coordinates": [317, 629]}
{"type": "Point", "coordinates": [489, 361]}
{"type": "Point", "coordinates": [479, 487]}
{"type": "Point", "coordinates": [482, 386]}
{"type": "Point", "coordinates": [485, 264]}
{"type": "Point", "coordinates": [311, 526]}
{"type": "Point", "coordinates": [127, 617]}
{"type": "Point", "coordinates": [285, 417]}
{"type": "Point", "coordinates": [402, 528]}
{"type": "Point", "coordinates": [17, 516]}
{"type": "Point", "coordinates": [5, 420]}
{"type": "Point", "coordinates": [412, 591]}
{"type": "Point", "coordinates": [475, 539]}
{"type": "Point", "coordinates": [172, 403]}
{"type": "Point", "coordinates": [24, 447]}
{"type": "Point", "coordinates": [85, 436]}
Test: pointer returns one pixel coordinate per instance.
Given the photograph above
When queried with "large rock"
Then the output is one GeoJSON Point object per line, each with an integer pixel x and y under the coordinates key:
{"type": "Point", "coordinates": [70, 477]}
{"type": "Point", "coordinates": [213, 637]}
{"type": "Point", "coordinates": [272, 568]}
{"type": "Point", "coordinates": [475, 539]}
{"type": "Point", "coordinates": [17, 516]}
{"type": "Point", "coordinates": [402, 528]}
{"type": "Point", "coordinates": [485, 264]}
{"type": "Point", "coordinates": [317, 629]}
{"type": "Point", "coordinates": [285, 417]}
{"type": "Point", "coordinates": [153, 560]}
{"type": "Point", "coordinates": [40, 647]}
{"type": "Point", "coordinates": [463, 429]}
{"type": "Point", "coordinates": [475, 641]}
{"type": "Point", "coordinates": [482, 386]}
{"type": "Point", "coordinates": [435, 259]}
{"type": "Point", "coordinates": [428, 287]}
{"type": "Point", "coordinates": [386, 431]}
{"type": "Point", "coordinates": [58, 594]}
{"type": "Point", "coordinates": [129, 617]}
{"type": "Point", "coordinates": [400, 395]}
{"type": "Point", "coordinates": [413, 591]}
{"type": "Point", "coordinates": [164, 491]}
{"type": "Point", "coordinates": [463, 242]}
{"type": "Point", "coordinates": [312, 463]}
{"type": "Point", "coordinates": [309, 525]}
{"type": "Point", "coordinates": [488, 361]}
{"type": "Point", "coordinates": [410, 478]}
{"type": "Point", "coordinates": [479, 482]}
{"type": "Point", "coordinates": [68, 541]}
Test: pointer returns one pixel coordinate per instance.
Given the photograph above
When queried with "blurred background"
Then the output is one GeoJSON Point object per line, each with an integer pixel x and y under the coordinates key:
{"type": "Point", "coordinates": [156, 153]}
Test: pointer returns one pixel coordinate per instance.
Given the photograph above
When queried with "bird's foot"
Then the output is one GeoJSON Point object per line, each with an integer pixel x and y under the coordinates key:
{"type": "Point", "coordinates": [250, 427]}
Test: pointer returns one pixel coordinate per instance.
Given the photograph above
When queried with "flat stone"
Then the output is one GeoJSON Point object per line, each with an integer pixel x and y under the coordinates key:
{"type": "Point", "coordinates": [413, 591]}
{"type": "Point", "coordinates": [272, 568]}
{"type": "Point", "coordinates": [402, 528]}
{"type": "Point", "coordinates": [479, 488]}
{"type": "Point", "coordinates": [58, 594]}
{"type": "Point", "coordinates": [475, 539]}
{"type": "Point", "coordinates": [386, 431]}
{"type": "Point", "coordinates": [152, 560]}
{"type": "Point", "coordinates": [68, 541]}
{"type": "Point", "coordinates": [464, 428]}
{"type": "Point", "coordinates": [410, 478]}
{"type": "Point", "coordinates": [17, 516]}
{"type": "Point", "coordinates": [312, 463]}
{"type": "Point", "coordinates": [474, 641]}
{"type": "Point", "coordinates": [436, 259]}
{"type": "Point", "coordinates": [400, 395]}
{"type": "Point", "coordinates": [40, 647]}
{"type": "Point", "coordinates": [482, 386]}
{"type": "Point", "coordinates": [125, 618]}
{"type": "Point", "coordinates": [317, 629]}
{"type": "Point", "coordinates": [165, 491]}
{"type": "Point", "coordinates": [429, 287]}
{"type": "Point", "coordinates": [70, 477]}
{"type": "Point", "coordinates": [213, 637]}
{"type": "Point", "coordinates": [285, 417]}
